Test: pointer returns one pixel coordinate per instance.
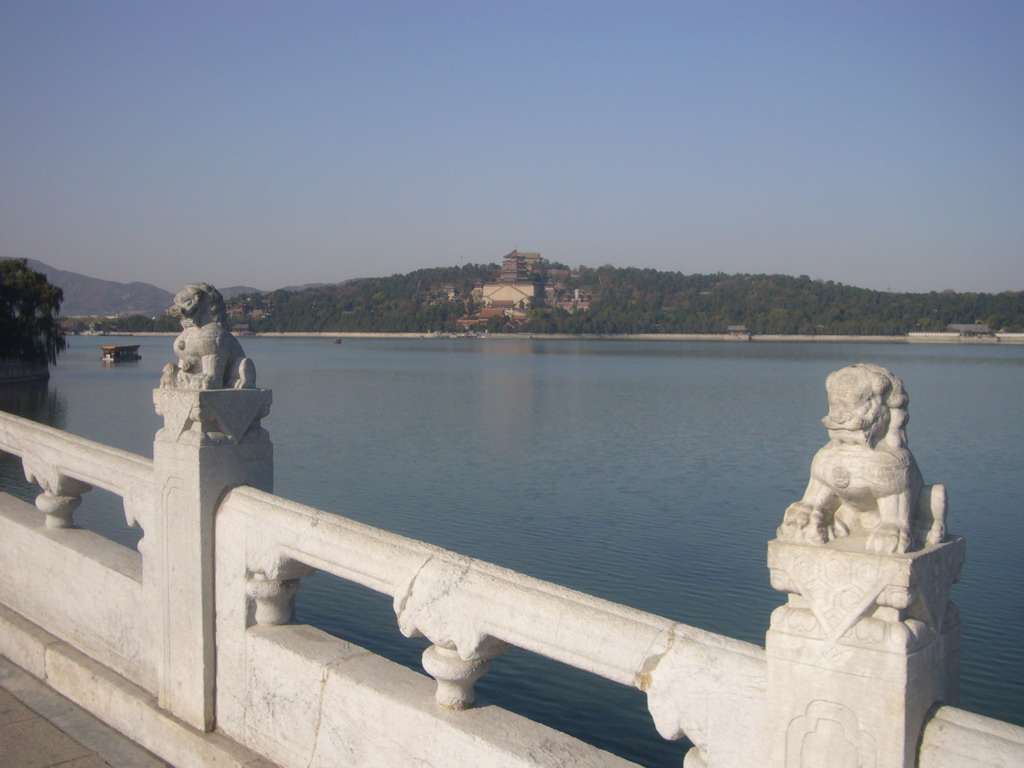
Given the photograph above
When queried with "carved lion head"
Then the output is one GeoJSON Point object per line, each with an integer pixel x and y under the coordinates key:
{"type": "Point", "coordinates": [199, 304]}
{"type": "Point", "coordinates": [867, 404]}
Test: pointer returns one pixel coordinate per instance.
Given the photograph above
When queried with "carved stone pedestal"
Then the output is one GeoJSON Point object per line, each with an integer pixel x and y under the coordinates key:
{"type": "Point", "coordinates": [864, 647]}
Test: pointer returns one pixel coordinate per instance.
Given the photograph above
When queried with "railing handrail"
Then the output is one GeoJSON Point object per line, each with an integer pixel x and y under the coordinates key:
{"type": "Point", "coordinates": [97, 464]}
{"type": "Point", "coordinates": [599, 636]}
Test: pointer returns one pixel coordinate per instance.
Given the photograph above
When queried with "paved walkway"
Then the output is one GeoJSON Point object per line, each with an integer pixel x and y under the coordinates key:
{"type": "Point", "coordinates": [40, 728]}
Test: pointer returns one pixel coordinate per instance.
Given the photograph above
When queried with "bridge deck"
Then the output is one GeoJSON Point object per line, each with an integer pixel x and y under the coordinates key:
{"type": "Point", "coordinates": [40, 728]}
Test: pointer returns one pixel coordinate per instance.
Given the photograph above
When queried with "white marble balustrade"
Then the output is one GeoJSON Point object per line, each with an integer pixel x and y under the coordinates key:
{"type": "Point", "coordinates": [190, 648]}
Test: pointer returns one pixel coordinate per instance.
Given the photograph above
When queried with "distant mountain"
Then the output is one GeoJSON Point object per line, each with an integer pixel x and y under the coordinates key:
{"type": "Point", "coordinates": [304, 286]}
{"type": "Point", "coordinates": [91, 297]}
{"type": "Point", "coordinates": [237, 290]}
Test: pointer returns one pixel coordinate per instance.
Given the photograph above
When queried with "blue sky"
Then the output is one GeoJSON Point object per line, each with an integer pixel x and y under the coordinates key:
{"type": "Point", "coordinates": [877, 144]}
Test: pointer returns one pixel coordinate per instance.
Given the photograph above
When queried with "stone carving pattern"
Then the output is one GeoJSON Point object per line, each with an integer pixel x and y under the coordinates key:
{"type": "Point", "coordinates": [210, 416]}
{"type": "Point", "coordinates": [209, 356]}
{"type": "Point", "coordinates": [828, 734]}
{"type": "Point", "coordinates": [865, 483]}
{"type": "Point", "coordinates": [934, 580]}
{"type": "Point", "coordinates": [893, 602]}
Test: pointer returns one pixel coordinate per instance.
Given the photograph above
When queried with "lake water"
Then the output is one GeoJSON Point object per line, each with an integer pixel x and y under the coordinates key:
{"type": "Point", "coordinates": [648, 473]}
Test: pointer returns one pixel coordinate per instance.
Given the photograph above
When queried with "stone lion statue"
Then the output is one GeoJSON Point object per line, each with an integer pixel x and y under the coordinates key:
{"type": "Point", "coordinates": [865, 483]}
{"type": "Point", "coordinates": [209, 357]}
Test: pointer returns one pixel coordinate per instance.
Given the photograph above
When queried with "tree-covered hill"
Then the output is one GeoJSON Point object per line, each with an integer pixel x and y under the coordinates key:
{"type": "Point", "coordinates": [415, 302]}
{"type": "Point", "coordinates": [626, 300]}
{"type": "Point", "coordinates": [630, 301]}
{"type": "Point", "coordinates": [648, 301]}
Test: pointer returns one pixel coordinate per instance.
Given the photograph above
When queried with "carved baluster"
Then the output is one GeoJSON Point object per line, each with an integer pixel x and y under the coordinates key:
{"type": "Point", "coordinates": [433, 603]}
{"type": "Point", "coordinates": [274, 598]}
{"type": "Point", "coordinates": [456, 677]}
{"type": "Point", "coordinates": [61, 494]}
{"type": "Point", "coordinates": [58, 509]}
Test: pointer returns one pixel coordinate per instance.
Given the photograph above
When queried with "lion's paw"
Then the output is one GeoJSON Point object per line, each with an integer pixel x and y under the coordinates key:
{"type": "Point", "coordinates": [802, 525]}
{"type": "Point", "coordinates": [888, 539]}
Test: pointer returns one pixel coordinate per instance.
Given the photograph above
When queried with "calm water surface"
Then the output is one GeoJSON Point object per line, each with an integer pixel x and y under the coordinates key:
{"type": "Point", "coordinates": [648, 473]}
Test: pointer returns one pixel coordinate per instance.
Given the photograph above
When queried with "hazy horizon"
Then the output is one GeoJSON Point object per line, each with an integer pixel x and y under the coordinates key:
{"type": "Point", "coordinates": [229, 284]}
{"type": "Point", "coordinates": [271, 144]}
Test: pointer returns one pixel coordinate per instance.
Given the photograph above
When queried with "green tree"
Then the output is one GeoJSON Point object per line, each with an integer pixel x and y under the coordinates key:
{"type": "Point", "coordinates": [29, 306]}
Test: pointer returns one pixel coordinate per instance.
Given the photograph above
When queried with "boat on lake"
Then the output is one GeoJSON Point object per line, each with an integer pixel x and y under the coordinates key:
{"type": "Point", "coordinates": [120, 353]}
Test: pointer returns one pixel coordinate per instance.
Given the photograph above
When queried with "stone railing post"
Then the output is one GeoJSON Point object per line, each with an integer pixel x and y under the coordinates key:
{"type": "Point", "coordinates": [866, 645]}
{"type": "Point", "coordinates": [211, 442]}
{"type": "Point", "coordinates": [869, 640]}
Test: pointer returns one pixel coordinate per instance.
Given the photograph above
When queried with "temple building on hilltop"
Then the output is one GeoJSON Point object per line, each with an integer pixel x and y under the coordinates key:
{"type": "Point", "coordinates": [515, 268]}
{"type": "Point", "coordinates": [517, 284]}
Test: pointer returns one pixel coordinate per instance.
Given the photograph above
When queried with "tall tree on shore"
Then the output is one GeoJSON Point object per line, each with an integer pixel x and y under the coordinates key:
{"type": "Point", "coordinates": [29, 306]}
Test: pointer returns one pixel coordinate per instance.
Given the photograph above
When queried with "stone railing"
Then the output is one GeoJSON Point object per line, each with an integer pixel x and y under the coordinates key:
{"type": "Point", "coordinates": [77, 585]}
{"type": "Point", "coordinates": [471, 611]}
{"type": "Point", "coordinates": [188, 646]}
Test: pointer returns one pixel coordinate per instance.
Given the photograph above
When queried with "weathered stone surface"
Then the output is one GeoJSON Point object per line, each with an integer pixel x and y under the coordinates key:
{"type": "Point", "coordinates": [24, 697]}
{"type": "Point", "coordinates": [82, 587]}
{"type": "Point", "coordinates": [954, 738]}
{"type": "Point", "coordinates": [321, 702]}
{"type": "Point", "coordinates": [711, 690]}
{"type": "Point", "coordinates": [116, 700]}
{"type": "Point", "coordinates": [863, 649]}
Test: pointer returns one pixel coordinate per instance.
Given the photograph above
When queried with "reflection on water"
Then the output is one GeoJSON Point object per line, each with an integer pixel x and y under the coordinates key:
{"type": "Point", "coordinates": [46, 402]}
{"type": "Point", "coordinates": [31, 400]}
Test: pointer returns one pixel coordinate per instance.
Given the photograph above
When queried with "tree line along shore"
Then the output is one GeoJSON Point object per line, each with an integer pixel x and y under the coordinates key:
{"type": "Point", "coordinates": [1001, 338]}
{"type": "Point", "coordinates": [558, 303]}
{"type": "Point", "coordinates": [602, 302]}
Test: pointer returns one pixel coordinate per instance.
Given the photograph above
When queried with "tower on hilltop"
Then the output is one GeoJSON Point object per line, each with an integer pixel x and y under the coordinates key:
{"type": "Point", "coordinates": [518, 283]}
{"type": "Point", "coordinates": [516, 267]}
